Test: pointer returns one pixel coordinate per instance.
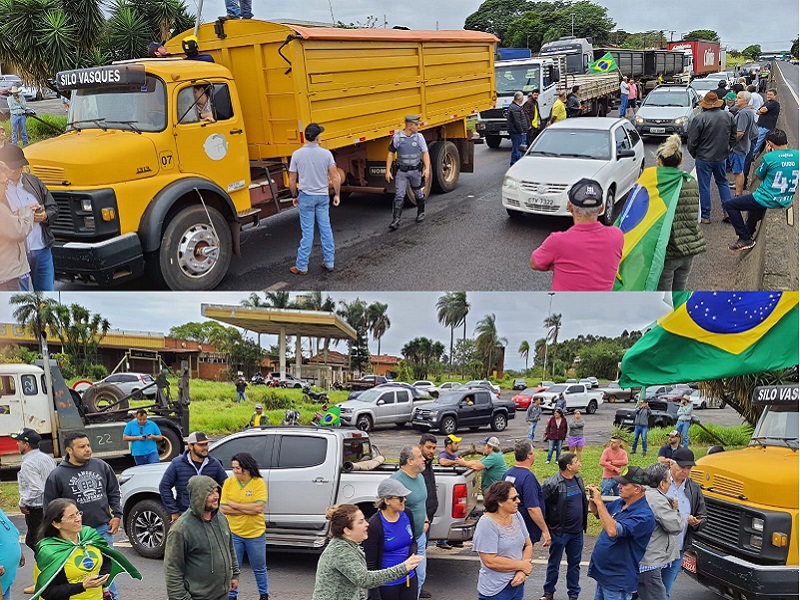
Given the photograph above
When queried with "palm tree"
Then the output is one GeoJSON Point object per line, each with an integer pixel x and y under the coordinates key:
{"type": "Point", "coordinates": [36, 313]}
{"type": "Point", "coordinates": [378, 321]}
{"type": "Point", "coordinates": [355, 314]}
{"type": "Point", "coordinates": [451, 311]}
{"type": "Point", "coordinates": [487, 342]}
{"type": "Point", "coordinates": [552, 324]}
{"type": "Point", "coordinates": [524, 351]}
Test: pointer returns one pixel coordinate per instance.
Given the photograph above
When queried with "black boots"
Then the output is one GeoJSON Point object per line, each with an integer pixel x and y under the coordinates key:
{"type": "Point", "coordinates": [420, 211]}
{"type": "Point", "coordinates": [396, 212]}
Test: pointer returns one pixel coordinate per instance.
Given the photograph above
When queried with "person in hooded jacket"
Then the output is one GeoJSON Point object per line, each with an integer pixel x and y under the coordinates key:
{"type": "Point", "coordinates": [199, 559]}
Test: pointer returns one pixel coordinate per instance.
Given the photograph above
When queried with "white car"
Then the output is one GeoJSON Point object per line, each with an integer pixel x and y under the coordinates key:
{"type": "Point", "coordinates": [428, 387]}
{"type": "Point", "coordinates": [606, 149]}
{"type": "Point", "coordinates": [709, 83]}
{"type": "Point", "coordinates": [131, 383]}
{"type": "Point", "coordinates": [448, 385]}
{"type": "Point", "coordinates": [666, 110]}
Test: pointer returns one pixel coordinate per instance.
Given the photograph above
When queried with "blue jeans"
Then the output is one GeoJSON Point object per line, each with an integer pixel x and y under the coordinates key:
{"type": "Point", "coordinates": [762, 133]}
{"type": "Point", "coordinates": [602, 593]}
{"type": "Point", "coordinates": [507, 593]}
{"type": "Point", "coordinates": [239, 10]}
{"type": "Point", "coordinates": [256, 549]}
{"type": "Point", "coordinates": [670, 574]}
{"type": "Point", "coordinates": [573, 543]}
{"type": "Point", "coordinates": [532, 430]}
{"type": "Point", "coordinates": [7, 594]}
{"type": "Point", "coordinates": [609, 487]}
{"type": "Point", "coordinates": [314, 209]}
{"type": "Point", "coordinates": [19, 129]}
{"type": "Point", "coordinates": [639, 431]}
{"type": "Point", "coordinates": [422, 568]}
{"type": "Point", "coordinates": [103, 530]}
{"type": "Point", "coordinates": [240, 397]}
{"type": "Point", "coordinates": [755, 212]}
{"type": "Point", "coordinates": [517, 140]}
{"type": "Point", "coordinates": [554, 445]}
{"type": "Point", "coordinates": [683, 429]}
{"type": "Point", "coordinates": [623, 106]}
{"type": "Point", "coordinates": [147, 459]}
{"type": "Point", "coordinates": [42, 270]}
{"type": "Point", "coordinates": [705, 171]}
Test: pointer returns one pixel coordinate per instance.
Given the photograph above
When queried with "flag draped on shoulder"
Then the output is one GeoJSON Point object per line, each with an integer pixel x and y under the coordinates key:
{"type": "Point", "coordinates": [709, 335]}
{"type": "Point", "coordinates": [646, 222]}
{"type": "Point", "coordinates": [604, 64]}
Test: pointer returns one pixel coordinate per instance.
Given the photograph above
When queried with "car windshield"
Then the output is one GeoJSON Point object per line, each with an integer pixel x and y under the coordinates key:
{"type": "Point", "coordinates": [572, 143]}
{"type": "Point", "coordinates": [516, 78]}
{"type": "Point", "coordinates": [475, 383]}
{"type": "Point", "coordinates": [556, 389]}
{"type": "Point", "coordinates": [705, 85]}
{"type": "Point", "coordinates": [134, 109]}
{"type": "Point", "coordinates": [652, 389]}
{"type": "Point", "coordinates": [370, 395]}
{"type": "Point", "coordinates": [448, 399]}
{"type": "Point", "coordinates": [529, 391]}
{"type": "Point", "coordinates": [676, 98]}
{"type": "Point", "coordinates": [613, 384]}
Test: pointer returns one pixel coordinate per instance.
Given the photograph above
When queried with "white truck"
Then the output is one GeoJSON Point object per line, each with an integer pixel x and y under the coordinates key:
{"type": "Point", "coordinates": [549, 76]}
{"type": "Point", "coordinates": [577, 395]}
{"type": "Point", "coordinates": [306, 469]}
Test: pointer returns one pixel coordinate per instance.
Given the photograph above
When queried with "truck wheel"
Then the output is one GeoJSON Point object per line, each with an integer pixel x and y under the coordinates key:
{"type": "Point", "coordinates": [147, 528]}
{"type": "Point", "coordinates": [448, 425]}
{"type": "Point", "coordinates": [612, 399]}
{"type": "Point", "coordinates": [608, 212]}
{"type": "Point", "coordinates": [493, 141]}
{"type": "Point", "coordinates": [364, 423]}
{"type": "Point", "coordinates": [170, 446]}
{"type": "Point", "coordinates": [101, 397]}
{"type": "Point", "coordinates": [411, 200]}
{"type": "Point", "coordinates": [445, 166]}
{"type": "Point", "coordinates": [499, 422]}
{"type": "Point", "coordinates": [194, 256]}
{"type": "Point", "coordinates": [591, 408]}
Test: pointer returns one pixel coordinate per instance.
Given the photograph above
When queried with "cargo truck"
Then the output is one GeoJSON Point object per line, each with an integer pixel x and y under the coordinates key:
{"type": "Point", "coordinates": [702, 56]}
{"type": "Point", "coordinates": [146, 187]}
{"type": "Point", "coordinates": [748, 549]}
{"type": "Point", "coordinates": [646, 65]}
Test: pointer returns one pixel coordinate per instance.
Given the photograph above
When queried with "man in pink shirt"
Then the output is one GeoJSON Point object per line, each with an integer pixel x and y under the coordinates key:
{"type": "Point", "coordinates": [585, 258]}
{"type": "Point", "coordinates": [632, 94]}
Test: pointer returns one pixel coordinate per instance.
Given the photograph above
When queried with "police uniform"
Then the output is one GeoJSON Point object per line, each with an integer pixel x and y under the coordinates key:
{"type": "Point", "coordinates": [409, 166]}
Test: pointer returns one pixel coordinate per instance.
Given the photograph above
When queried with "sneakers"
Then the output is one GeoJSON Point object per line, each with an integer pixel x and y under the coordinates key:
{"type": "Point", "coordinates": [726, 219]}
{"type": "Point", "coordinates": [742, 245]}
{"type": "Point", "coordinates": [263, 597]}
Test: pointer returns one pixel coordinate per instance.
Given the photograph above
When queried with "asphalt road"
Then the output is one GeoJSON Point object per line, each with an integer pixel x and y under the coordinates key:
{"type": "Point", "coordinates": [452, 575]}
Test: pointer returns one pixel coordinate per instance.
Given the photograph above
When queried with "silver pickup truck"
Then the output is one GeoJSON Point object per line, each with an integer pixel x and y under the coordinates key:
{"type": "Point", "coordinates": [306, 470]}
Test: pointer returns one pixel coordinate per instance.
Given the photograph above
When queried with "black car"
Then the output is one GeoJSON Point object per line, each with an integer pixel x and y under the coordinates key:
{"type": "Point", "coordinates": [472, 407]}
{"type": "Point", "coordinates": [663, 414]}
{"type": "Point", "coordinates": [519, 384]}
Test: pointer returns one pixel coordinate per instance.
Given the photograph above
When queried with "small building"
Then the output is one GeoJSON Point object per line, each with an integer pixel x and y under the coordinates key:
{"type": "Point", "coordinates": [385, 364]}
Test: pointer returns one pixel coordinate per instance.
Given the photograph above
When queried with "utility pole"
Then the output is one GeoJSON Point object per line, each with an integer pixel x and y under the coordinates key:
{"type": "Point", "coordinates": [573, 23]}
{"type": "Point", "coordinates": [671, 32]}
{"type": "Point", "coordinates": [333, 19]}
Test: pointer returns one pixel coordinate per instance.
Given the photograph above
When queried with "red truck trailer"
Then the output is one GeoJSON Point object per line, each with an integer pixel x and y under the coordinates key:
{"type": "Point", "coordinates": [705, 56]}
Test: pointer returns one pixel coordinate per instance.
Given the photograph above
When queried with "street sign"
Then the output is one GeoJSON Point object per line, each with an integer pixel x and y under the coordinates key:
{"type": "Point", "coordinates": [776, 394]}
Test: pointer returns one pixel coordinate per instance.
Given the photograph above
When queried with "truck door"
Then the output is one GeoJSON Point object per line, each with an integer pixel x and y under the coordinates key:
{"type": "Point", "coordinates": [10, 412]}
{"type": "Point", "coordinates": [387, 410]}
{"type": "Point", "coordinates": [576, 397]}
{"type": "Point", "coordinates": [303, 483]}
{"type": "Point", "coordinates": [483, 408]}
{"type": "Point", "coordinates": [403, 407]}
{"type": "Point", "coordinates": [211, 143]}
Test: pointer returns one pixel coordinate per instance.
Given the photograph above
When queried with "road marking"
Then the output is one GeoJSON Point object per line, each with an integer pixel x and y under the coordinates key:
{"type": "Point", "coordinates": [280, 285]}
{"type": "Point", "coordinates": [797, 101]}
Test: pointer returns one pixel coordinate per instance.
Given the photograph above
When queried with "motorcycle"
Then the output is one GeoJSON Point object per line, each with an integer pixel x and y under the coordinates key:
{"type": "Point", "coordinates": [258, 379]}
{"type": "Point", "coordinates": [292, 417]}
{"type": "Point", "coordinates": [310, 395]}
{"type": "Point", "coordinates": [338, 386]}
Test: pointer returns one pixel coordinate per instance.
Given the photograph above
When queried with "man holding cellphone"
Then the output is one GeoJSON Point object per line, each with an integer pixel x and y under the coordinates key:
{"type": "Point", "coordinates": [143, 435]}
{"type": "Point", "coordinates": [691, 505]}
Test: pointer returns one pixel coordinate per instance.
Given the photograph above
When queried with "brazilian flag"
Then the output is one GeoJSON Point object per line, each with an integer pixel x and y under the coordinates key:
{"type": "Point", "coordinates": [709, 335]}
{"type": "Point", "coordinates": [646, 221]}
{"type": "Point", "coordinates": [604, 64]}
{"type": "Point", "coordinates": [331, 417]}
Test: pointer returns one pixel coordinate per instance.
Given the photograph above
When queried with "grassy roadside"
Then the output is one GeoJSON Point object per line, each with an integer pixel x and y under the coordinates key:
{"type": "Point", "coordinates": [9, 497]}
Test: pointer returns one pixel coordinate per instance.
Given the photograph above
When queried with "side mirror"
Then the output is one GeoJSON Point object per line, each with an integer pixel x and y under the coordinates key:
{"type": "Point", "coordinates": [380, 402]}
{"type": "Point", "coordinates": [626, 153]}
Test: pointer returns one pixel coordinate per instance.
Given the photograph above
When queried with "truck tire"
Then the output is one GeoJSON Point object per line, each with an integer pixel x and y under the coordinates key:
{"type": "Point", "coordinates": [493, 141]}
{"type": "Point", "coordinates": [364, 423]}
{"type": "Point", "coordinates": [100, 397]}
{"type": "Point", "coordinates": [608, 211]}
{"type": "Point", "coordinates": [499, 421]}
{"type": "Point", "coordinates": [612, 398]}
{"type": "Point", "coordinates": [169, 447]}
{"type": "Point", "coordinates": [591, 408]}
{"type": "Point", "coordinates": [188, 236]}
{"type": "Point", "coordinates": [411, 200]}
{"type": "Point", "coordinates": [445, 166]}
{"type": "Point", "coordinates": [448, 425]}
{"type": "Point", "coordinates": [147, 528]}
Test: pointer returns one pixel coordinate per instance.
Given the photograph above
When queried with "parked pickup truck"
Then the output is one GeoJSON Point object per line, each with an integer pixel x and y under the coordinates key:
{"type": "Point", "coordinates": [614, 392]}
{"type": "Point", "coordinates": [578, 397]}
{"type": "Point", "coordinates": [306, 470]}
{"type": "Point", "coordinates": [663, 414]}
{"type": "Point", "coordinates": [386, 404]}
{"type": "Point", "coordinates": [471, 408]}
{"type": "Point", "coordinates": [366, 382]}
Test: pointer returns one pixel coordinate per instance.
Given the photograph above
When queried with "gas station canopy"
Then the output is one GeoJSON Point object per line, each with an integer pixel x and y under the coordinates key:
{"type": "Point", "coordinates": [275, 321]}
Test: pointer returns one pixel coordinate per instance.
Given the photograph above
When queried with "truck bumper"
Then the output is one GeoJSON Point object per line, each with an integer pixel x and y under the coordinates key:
{"type": "Point", "coordinates": [109, 262]}
{"type": "Point", "coordinates": [462, 532]}
{"type": "Point", "coordinates": [735, 578]}
{"type": "Point", "coordinates": [498, 128]}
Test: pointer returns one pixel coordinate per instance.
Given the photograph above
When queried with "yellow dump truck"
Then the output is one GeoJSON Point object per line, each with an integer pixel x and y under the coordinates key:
{"type": "Point", "coordinates": [146, 185]}
{"type": "Point", "coordinates": [748, 549]}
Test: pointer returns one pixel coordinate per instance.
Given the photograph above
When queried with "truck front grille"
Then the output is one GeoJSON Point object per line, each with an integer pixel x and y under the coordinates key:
{"type": "Point", "coordinates": [723, 525]}
{"type": "Point", "coordinates": [64, 223]}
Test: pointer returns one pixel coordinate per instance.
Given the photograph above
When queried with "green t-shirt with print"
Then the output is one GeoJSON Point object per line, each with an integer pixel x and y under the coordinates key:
{"type": "Point", "coordinates": [495, 469]}
{"type": "Point", "coordinates": [779, 170]}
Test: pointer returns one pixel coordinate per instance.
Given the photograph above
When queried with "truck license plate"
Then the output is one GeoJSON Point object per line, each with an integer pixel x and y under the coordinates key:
{"type": "Point", "coordinates": [689, 563]}
{"type": "Point", "coordinates": [502, 133]}
{"type": "Point", "coordinates": [657, 130]}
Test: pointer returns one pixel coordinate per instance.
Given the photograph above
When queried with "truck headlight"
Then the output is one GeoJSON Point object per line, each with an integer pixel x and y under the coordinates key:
{"type": "Point", "coordinates": [639, 120]}
{"type": "Point", "coordinates": [758, 524]}
{"type": "Point", "coordinates": [510, 184]}
{"type": "Point", "coordinates": [346, 411]}
{"type": "Point", "coordinates": [86, 205]}
{"type": "Point", "coordinates": [756, 541]}
{"type": "Point", "coordinates": [681, 120]}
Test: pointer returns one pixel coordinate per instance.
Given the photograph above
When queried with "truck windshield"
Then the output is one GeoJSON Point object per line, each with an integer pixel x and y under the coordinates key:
{"type": "Point", "coordinates": [516, 78]}
{"type": "Point", "coordinates": [132, 109]}
{"type": "Point", "coordinates": [778, 426]}
{"type": "Point", "coordinates": [370, 395]}
{"type": "Point", "coordinates": [556, 389]}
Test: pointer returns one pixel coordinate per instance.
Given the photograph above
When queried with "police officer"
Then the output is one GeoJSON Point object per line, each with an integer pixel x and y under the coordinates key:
{"type": "Point", "coordinates": [413, 167]}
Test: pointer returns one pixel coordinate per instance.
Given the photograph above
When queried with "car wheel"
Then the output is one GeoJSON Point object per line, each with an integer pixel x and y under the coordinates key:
{"type": "Point", "coordinates": [364, 423]}
{"type": "Point", "coordinates": [499, 422]}
{"type": "Point", "coordinates": [612, 399]}
{"type": "Point", "coordinates": [493, 141]}
{"type": "Point", "coordinates": [591, 408]}
{"type": "Point", "coordinates": [147, 528]}
{"type": "Point", "coordinates": [641, 168]}
{"type": "Point", "coordinates": [448, 425]}
{"type": "Point", "coordinates": [608, 213]}
{"type": "Point", "coordinates": [703, 405]}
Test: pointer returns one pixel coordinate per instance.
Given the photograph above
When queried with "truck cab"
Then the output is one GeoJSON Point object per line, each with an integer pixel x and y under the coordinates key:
{"type": "Point", "coordinates": [23, 403]}
{"type": "Point", "coordinates": [578, 52]}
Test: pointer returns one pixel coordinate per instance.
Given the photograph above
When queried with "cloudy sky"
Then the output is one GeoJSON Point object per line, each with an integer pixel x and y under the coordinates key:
{"type": "Point", "coordinates": [519, 314]}
{"type": "Point", "coordinates": [772, 26]}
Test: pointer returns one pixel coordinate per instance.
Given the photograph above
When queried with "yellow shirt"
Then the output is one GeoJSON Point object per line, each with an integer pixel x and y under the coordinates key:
{"type": "Point", "coordinates": [535, 122]}
{"type": "Point", "coordinates": [82, 564]}
{"type": "Point", "coordinates": [559, 111]}
{"type": "Point", "coordinates": [260, 419]}
{"type": "Point", "coordinates": [255, 490]}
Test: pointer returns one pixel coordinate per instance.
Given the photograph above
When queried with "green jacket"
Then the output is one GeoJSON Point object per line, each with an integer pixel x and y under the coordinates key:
{"type": "Point", "coordinates": [686, 238]}
{"type": "Point", "coordinates": [199, 560]}
{"type": "Point", "coordinates": [342, 573]}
